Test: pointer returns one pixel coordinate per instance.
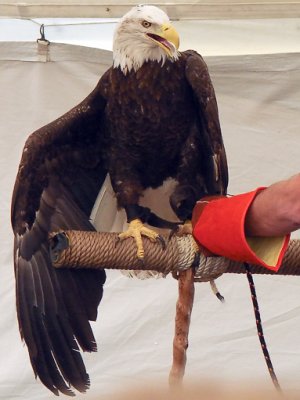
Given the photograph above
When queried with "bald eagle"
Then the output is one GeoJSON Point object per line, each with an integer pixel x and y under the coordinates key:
{"type": "Point", "coordinates": [152, 116]}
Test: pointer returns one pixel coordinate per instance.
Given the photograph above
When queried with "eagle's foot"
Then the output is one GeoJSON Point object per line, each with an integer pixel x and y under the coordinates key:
{"type": "Point", "coordinates": [136, 230]}
{"type": "Point", "coordinates": [185, 229]}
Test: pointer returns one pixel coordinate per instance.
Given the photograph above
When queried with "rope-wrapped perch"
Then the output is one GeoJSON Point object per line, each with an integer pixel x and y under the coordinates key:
{"type": "Point", "coordinates": [77, 249]}
{"type": "Point", "coordinates": [74, 249]}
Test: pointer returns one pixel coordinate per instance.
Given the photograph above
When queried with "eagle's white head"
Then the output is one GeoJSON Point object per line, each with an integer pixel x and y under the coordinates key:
{"type": "Point", "coordinates": [144, 34]}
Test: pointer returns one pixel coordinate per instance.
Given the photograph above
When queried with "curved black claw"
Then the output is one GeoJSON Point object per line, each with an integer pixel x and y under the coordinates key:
{"type": "Point", "coordinates": [141, 262]}
{"type": "Point", "coordinates": [117, 241]}
{"type": "Point", "coordinates": [161, 241]}
{"type": "Point", "coordinates": [174, 231]}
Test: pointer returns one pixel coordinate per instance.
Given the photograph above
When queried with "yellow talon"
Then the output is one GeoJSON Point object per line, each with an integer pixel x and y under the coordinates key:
{"type": "Point", "coordinates": [136, 230]}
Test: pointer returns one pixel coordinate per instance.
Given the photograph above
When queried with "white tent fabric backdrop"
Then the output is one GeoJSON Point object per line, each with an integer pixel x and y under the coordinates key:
{"type": "Point", "coordinates": [258, 97]}
{"type": "Point", "coordinates": [209, 37]}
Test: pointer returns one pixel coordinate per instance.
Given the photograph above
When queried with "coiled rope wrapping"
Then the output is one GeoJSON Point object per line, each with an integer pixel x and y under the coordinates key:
{"type": "Point", "coordinates": [102, 250]}
{"type": "Point", "coordinates": [80, 249]}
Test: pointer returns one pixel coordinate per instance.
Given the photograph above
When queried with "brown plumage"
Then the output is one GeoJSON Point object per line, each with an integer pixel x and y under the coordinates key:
{"type": "Point", "coordinates": [141, 127]}
{"type": "Point", "coordinates": [163, 122]}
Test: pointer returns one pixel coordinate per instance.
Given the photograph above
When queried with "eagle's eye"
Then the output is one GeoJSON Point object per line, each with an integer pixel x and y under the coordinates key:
{"type": "Point", "coordinates": [146, 24]}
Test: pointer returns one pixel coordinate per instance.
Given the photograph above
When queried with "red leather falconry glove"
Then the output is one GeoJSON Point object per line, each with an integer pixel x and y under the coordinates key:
{"type": "Point", "coordinates": [219, 229]}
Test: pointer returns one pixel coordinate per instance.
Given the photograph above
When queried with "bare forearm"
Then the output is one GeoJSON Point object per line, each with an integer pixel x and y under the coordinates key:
{"type": "Point", "coordinates": [275, 211]}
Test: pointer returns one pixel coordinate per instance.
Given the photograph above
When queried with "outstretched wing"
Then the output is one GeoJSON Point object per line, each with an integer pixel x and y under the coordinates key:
{"type": "Point", "coordinates": [198, 77]}
{"type": "Point", "coordinates": [60, 174]}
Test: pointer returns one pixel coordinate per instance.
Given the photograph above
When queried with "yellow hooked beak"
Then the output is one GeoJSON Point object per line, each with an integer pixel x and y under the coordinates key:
{"type": "Point", "coordinates": [167, 38]}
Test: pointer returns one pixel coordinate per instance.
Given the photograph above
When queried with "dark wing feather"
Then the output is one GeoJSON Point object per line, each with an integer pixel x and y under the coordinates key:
{"type": "Point", "coordinates": [60, 174]}
{"type": "Point", "coordinates": [198, 77]}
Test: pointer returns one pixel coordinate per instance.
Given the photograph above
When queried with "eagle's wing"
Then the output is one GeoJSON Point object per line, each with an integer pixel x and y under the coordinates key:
{"type": "Point", "coordinates": [59, 177]}
{"type": "Point", "coordinates": [198, 77]}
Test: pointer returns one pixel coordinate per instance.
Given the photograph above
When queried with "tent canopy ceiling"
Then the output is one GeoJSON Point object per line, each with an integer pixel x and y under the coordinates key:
{"type": "Point", "coordinates": [182, 9]}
